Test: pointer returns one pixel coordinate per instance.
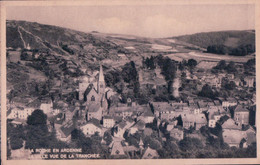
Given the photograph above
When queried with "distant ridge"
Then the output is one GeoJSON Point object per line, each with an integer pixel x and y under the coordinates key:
{"type": "Point", "coordinates": [232, 38]}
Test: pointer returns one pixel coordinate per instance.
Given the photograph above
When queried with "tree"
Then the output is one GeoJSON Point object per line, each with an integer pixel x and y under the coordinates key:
{"type": "Point", "coordinates": [129, 72]}
{"type": "Point", "coordinates": [231, 68]}
{"type": "Point", "coordinates": [150, 63]}
{"type": "Point", "coordinates": [221, 65]}
{"type": "Point", "coordinates": [230, 86]}
{"type": "Point", "coordinates": [37, 118]}
{"type": "Point", "coordinates": [192, 63]}
{"type": "Point", "coordinates": [108, 138]}
{"type": "Point", "coordinates": [206, 91]}
{"type": "Point", "coordinates": [190, 144]}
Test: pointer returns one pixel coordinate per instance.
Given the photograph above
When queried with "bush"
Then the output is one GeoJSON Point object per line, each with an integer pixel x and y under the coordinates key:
{"type": "Point", "coordinates": [37, 118]}
{"type": "Point", "coordinates": [16, 143]}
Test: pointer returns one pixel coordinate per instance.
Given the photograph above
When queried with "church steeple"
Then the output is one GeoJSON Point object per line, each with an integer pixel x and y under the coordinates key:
{"type": "Point", "coordinates": [101, 81]}
{"type": "Point", "coordinates": [101, 75]}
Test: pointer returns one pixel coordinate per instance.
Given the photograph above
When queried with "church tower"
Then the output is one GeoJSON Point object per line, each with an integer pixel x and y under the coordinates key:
{"type": "Point", "coordinates": [101, 82]}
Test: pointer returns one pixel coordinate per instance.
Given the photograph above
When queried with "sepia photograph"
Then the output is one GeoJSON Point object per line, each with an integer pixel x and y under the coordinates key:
{"type": "Point", "coordinates": [174, 81]}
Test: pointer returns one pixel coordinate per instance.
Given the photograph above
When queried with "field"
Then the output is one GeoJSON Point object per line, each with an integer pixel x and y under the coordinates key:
{"type": "Point", "coordinates": [199, 56]}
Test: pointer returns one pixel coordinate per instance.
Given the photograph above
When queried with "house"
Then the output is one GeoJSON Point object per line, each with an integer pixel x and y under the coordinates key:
{"type": "Point", "coordinates": [238, 82]}
{"type": "Point", "coordinates": [119, 129]}
{"type": "Point", "coordinates": [108, 122]}
{"type": "Point", "coordinates": [161, 107]}
{"type": "Point", "coordinates": [250, 137]}
{"type": "Point", "coordinates": [128, 110]}
{"type": "Point", "coordinates": [213, 117]}
{"type": "Point", "coordinates": [233, 137]}
{"type": "Point", "coordinates": [146, 117]}
{"type": "Point", "coordinates": [47, 107]}
{"type": "Point", "coordinates": [164, 110]}
{"type": "Point", "coordinates": [230, 124]}
{"type": "Point", "coordinates": [241, 115]}
{"type": "Point", "coordinates": [213, 81]}
{"type": "Point", "coordinates": [69, 113]}
{"type": "Point", "coordinates": [138, 126]}
{"type": "Point", "coordinates": [195, 109]}
{"type": "Point", "coordinates": [94, 111]}
{"type": "Point", "coordinates": [117, 149]}
{"type": "Point", "coordinates": [63, 132]}
{"type": "Point", "coordinates": [150, 153]}
{"type": "Point", "coordinates": [176, 133]}
{"type": "Point", "coordinates": [230, 76]}
{"type": "Point", "coordinates": [229, 102]}
{"type": "Point", "coordinates": [171, 125]}
{"type": "Point", "coordinates": [131, 151]}
{"type": "Point", "coordinates": [202, 105]}
{"type": "Point", "coordinates": [19, 112]}
{"type": "Point", "coordinates": [148, 131]}
{"type": "Point", "coordinates": [191, 120]}
{"type": "Point", "coordinates": [91, 127]}
{"type": "Point", "coordinates": [129, 122]}
{"type": "Point", "coordinates": [249, 81]}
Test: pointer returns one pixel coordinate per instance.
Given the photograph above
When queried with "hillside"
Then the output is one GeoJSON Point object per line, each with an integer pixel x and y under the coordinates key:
{"type": "Point", "coordinates": [227, 38]}
{"type": "Point", "coordinates": [39, 56]}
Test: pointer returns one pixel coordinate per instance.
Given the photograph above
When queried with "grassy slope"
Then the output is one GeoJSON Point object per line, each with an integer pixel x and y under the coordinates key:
{"type": "Point", "coordinates": [229, 38]}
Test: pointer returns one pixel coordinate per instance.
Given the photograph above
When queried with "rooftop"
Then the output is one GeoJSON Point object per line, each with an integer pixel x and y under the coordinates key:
{"type": "Point", "coordinates": [239, 108]}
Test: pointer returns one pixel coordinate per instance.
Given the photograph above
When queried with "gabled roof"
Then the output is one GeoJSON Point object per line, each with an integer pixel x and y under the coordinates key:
{"type": "Point", "coordinates": [9, 112]}
{"type": "Point", "coordinates": [67, 128]}
{"type": "Point", "coordinates": [230, 124]}
{"type": "Point", "coordinates": [108, 117]}
{"type": "Point", "coordinates": [148, 131]}
{"type": "Point", "coordinates": [130, 148]}
{"type": "Point", "coordinates": [34, 104]}
{"type": "Point", "coordinates": [122, 124]}
{"type": "Point", "coordinates": [150, 153]}
{"type": "Point", "coordinates": [233, 136]}
{"type": "Point", "coordinates": [117, 148]}
{"type": "Point", "coordinates": [198, 118]}
{"type": "Point", "coordinates": [139, 124]}
{"type": "Point", "coordinates": [202, 104]}
{"type": "Point", "coordinates": [251, 137]}
{"type": "Point", "coordinates": [93, 107]}
{"type": "Point", "coordinates": [89, 88]}
{"type": "Point", "coordinates": [239, 108]}
{"type": "Point", "coordinates": [94, 122]}
{"type": "Point", "coordinates": [162, 106]}
{"type": "Point", "coordinates": [212, 114]}
{"type": "Point", "coordinates": [147, 113]}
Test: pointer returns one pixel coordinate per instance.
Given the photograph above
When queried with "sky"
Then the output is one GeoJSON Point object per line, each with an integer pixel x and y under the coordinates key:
{"type": "Point", "coordinates": [148, 21]}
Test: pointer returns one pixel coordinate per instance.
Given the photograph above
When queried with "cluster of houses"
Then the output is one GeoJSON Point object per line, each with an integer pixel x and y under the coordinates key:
{"type": "Point", "coordinates": [92, 114]}
{"type": "Point", "coordinates": [215, 80]}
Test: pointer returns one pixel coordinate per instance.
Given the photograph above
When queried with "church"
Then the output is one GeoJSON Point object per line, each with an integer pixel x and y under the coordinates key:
{"type": "Point", "coordinates": [92, 90]}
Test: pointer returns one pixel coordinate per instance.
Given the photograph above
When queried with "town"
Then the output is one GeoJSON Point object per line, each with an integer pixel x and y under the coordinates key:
{"type": "Point", "coordinates": [180, 108]}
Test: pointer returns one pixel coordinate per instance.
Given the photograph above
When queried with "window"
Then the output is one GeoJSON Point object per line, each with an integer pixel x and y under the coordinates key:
{"type": "Point", "coordinates": [93, 98]}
